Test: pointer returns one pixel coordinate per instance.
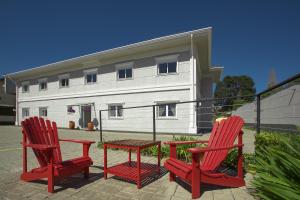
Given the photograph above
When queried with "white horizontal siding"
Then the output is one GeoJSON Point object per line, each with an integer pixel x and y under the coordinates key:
{"type": "Point", "coordinates": [139, 119]}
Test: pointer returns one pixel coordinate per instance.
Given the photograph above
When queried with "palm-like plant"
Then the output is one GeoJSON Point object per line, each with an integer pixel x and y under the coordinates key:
{"type": "Point", "coordinates": [278, 170]}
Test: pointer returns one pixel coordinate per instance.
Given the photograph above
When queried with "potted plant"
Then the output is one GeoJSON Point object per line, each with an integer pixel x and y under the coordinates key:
{"type": "Point", "coordinates": [90, 126]}
{"type": "Point", "coordinates": [71, 124]}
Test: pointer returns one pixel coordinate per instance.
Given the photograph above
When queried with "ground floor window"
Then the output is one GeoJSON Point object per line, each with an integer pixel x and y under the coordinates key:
{"type": "Point", "coordinates": [25, 112]}
{"type": "Point", "coordinates": [43, 111]}
{"type": "Point", "coordinates": [115, 111]}
{"type": "Point", "coordinates": [165, 110]}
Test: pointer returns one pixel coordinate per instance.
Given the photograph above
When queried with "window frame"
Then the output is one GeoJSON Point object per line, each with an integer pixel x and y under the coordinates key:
{"type": "Point", "coordinates": [43, 80]}
{"type": "Point", "coordinates": [61, 77]}
{"type": "Point", "coordinates": [90, 72]}
{"type": "Point", "coordinates": [28, 110]}
{"type": "Point", "coordinates": [23, 84]}
{"type": "Point", "coordinates": [167, 60]}
{"type": "Point", "coordinates": [166, 103]}
{"type": "Point", "coordinates": [42, 108]}
{"type": "Point", "coordinates": [128, 65]}
{"type": "Point", "coordinates": [116, 111]}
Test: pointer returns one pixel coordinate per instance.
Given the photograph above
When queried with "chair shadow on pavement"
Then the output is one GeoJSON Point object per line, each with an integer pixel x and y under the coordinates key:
{"type": "Point", "coordinates": [208, 187]}
{"type": "Point", "coordinates": [146, 181]}
{"type": "Point", "coordinates": [204, 187]}
{"type": "Point", "coordinates": [76, 181]}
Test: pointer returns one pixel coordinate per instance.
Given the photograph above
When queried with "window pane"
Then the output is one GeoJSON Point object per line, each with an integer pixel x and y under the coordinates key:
{"type": "Point", "coordinates": [121, 73]}
{"type": "Point", "coordinates": [25, 88]}
{"type": "Point", "coordinates": [172, 67]}
{"type": "Point", "coordinates": [129, 73]}
{"type": "Point", "coordinates": [120, 111]}
{"type": "Point", "coordinates": [94, 78]}
{"type": "Point", "coordinates": [43, 112]}
{"type": "Point", "coordinates": [162, 110]}
{"type": "Point", "coordinates": [172, 110]}
{"type": "Point", "coordinates": [112, 111]}
{"type": "Point", "coordinates": [43, 85]}
{"type": "Point", "coordinates": [64, 82]}
{"type": "Point", "coordinates": [162, 68]}
{"type": "Point", "coordinates": [89, 78]}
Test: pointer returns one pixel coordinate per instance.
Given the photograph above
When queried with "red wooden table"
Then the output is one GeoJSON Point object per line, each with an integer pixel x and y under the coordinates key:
{"type": "Point", "coordinates": [132, 170]}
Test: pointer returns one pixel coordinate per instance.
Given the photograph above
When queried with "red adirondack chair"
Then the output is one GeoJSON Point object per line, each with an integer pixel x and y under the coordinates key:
{"type": "Point", "coordinates": [205, 170]}
{"type": "Point", "coordinates": [42, 137]}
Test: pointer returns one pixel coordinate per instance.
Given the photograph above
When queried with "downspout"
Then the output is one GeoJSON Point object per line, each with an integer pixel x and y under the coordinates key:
{"type": "Point", "coordinates": [193, 82]}
{"type": "Point", "coordinates": [17, 102]}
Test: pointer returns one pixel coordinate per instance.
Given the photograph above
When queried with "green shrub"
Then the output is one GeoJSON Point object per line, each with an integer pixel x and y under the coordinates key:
{"type": "Point", "coordinates": [277, 166]}
{"type": "Point", "coordinates": [232, 160]}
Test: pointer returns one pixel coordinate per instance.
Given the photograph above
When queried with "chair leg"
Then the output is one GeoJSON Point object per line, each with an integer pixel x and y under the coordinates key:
{"type": "Point", "coordinates": [172, 177]}
{"type": "Point", "coordinates": [50, 179]}
{"type": "Point", "coordinates": [196, 187]}
{"type": "Point", "coordinates": [86, 172]}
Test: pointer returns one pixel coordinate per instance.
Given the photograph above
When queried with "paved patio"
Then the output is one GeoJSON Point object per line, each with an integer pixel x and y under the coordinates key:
{"type": "Point", "coordinates": [76, 187]}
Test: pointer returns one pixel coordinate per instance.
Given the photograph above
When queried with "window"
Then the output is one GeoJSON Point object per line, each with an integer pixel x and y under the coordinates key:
{"type": "Point", "coordinates": [125, 73]}
{"type": "Point", "coordinates": [124, 70]}
{"type": "Point", "coordinates": [167, 64]}
{"type": "Point", "coordinates": [115, 111]}
{"type": "Point", "coordinates": [25, 87]}
{"type": "Point", "coordinates": [43, 84]}
{"type": "Point", "coordinates": [70, 109]}
{"type": "Point", "coordinates": [90, 76]}
{"type": "Point", "coordinates": [64, 81]}
{"type": "Point", "coordinates": [25, 112]}
{"type": "Point", "coordinates": [167, 68]}
{"type": "Point", "coordinates": [43, 111]}
{"type": "Point", "coordinates": [166, 110]}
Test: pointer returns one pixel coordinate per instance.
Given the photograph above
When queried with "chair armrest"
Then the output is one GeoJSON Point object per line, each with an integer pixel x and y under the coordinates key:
{"type": "Point", "coordinates": [39, 146]}
{"type": "Point", "coordinates": [205, 149]}
{"type": "Point", "coordinates": [77, 141]}
{"type": "Point", "coordinates": [186, 142]}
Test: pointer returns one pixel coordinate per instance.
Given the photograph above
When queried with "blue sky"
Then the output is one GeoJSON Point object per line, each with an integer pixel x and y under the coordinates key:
{"type": "Point", "coordinates": [249, 37]}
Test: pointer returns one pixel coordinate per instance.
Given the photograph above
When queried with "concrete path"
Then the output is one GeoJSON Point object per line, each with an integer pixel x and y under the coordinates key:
{"type": "Point", "coordinates": [76, 187]}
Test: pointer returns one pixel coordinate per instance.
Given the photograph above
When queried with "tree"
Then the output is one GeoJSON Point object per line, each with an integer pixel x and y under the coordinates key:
{"type": "Point", "coordinates": [272, 78]}
{"type": "Point", "coordinates": [240, 89]}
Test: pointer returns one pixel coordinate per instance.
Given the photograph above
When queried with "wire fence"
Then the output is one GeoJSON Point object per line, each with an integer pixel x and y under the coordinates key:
{"type": "Point", "coordinates": [276, 109]}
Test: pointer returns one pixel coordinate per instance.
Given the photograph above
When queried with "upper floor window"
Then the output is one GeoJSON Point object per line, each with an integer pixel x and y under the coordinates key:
{"type": "Point", "coordinates": [166, 110]}
{"type": "Point", "coordinates": [43, 111]}
{"type": "Point", "coordinates": [64, 81]}
{"type": "Point", "coordinates": [25, 112]}
{"type": "Point", "coordinates": [115, 111]}
{"type": "Point", "coordinates": [167, 64]}
{"type": "Point", "coordinates": [167, 68]}
{"type": "Point", "coordinates": [124, 71]}
{"type": "Point", "coordinates": [25, 87]}
{"type": "Point", "coordinates": [43, 84]}
{"type": "Point", "coordinates": [90, 76]}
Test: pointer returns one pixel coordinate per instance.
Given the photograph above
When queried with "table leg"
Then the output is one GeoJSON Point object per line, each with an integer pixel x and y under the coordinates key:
{"type": "Point", "coordinates": [129, 156]}
{"type": "Point", "coordinates": [105, 161]}
{"type": "Point", "coordinates": [139, 168]}
{"type": "Point", "coordinates": [158, 157]}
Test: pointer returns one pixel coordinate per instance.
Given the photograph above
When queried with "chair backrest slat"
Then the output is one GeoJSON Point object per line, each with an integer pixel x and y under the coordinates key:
{"type": "Point", "coordinates": [224, 133]}
{"type": "Point", "coordinates": [27, 129]}
{"type": "Point", "coordinates": [39, 132]}
{"type": "Point", "coordinates": [55, 141]}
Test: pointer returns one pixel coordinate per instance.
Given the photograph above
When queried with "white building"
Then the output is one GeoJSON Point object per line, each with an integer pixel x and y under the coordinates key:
{"type": "Point", "coordinates": [163, 70]}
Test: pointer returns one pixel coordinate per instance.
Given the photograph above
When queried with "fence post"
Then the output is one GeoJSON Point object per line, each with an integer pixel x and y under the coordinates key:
{"type": "Point", "coordinates": [258, 114]}
{"type": "Point", "coordinates": [100, 124]}
{"type": "Point", "coordinates": [197, 115]}
{"type": "Point", "coordinates": [154, 125]}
